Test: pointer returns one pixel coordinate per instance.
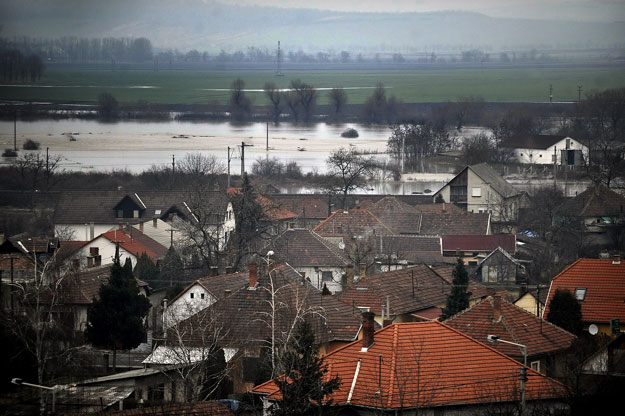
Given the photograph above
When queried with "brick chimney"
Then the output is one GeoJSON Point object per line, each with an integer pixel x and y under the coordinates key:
{"type": "Point", "coordinates": [252, 275]}
{"type": "Point", "coordinates": [214, 271]}
{"type": "Point", "coordinates": [616, 259]}
{"type": "Point", "coordinates": [228, 269]}
{"type": "Point", "coordinates": [368, 328]}
{"type": "Point", "coordinates": [227, 293]}
{"type": "Point", "coordinates": [496, 308]}
{"type": "Point", "coordinates": [349, 272]}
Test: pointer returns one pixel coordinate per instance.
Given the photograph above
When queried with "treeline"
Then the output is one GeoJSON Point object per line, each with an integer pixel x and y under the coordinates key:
{"type": "Point", "coordinates": [17, 67]}
{"type": "Point", "coordinates": [71, 49]}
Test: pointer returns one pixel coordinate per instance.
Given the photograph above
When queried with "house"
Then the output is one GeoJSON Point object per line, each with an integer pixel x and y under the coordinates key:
{"type": "Point", "coordinates": [132, 244]}
{"type": "Point", "coordinates": [404, 295]}
{"type": "Point", "coordinates": [499, 267]}
{"type": "Point", "coordinates": [201, 294]}
{"type": "Point", "coordinates": [546, 343]}
{"type": "Point", "coordinates": [533, 301]}
{"type": "Point", "coordinates": [599, 287]}
{"type": "Point", "coordinates": [399, 216]}
{"type": "Point", "coordinates": [246, 321]}
{"type": "Point", "coordinates": [83, 215]}
{"type": "Point", "coordinates": [473, 248]}
{"type": "Point", "coordinates": [399, 251]}
{"type": "Point", "coordinates": [479, 188]}
{"type": "Point", "coordinates": [310, 210]}
{"type": "Point", "coordinates": [600, 212]}
{"type": "Point", "coordinates": [546, 149]}
{"type": "Point", "coordinates": [279, 216]}
{"type": "Point", "coordinates": [318, 260]}
{"type": "Point", "coordinates": [428, 367]}
{"type": "Point", "coordinates": [609, 360]}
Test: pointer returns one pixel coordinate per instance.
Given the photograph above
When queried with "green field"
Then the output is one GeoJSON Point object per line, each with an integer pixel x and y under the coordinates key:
{"type": "Point", "coordinates": [188, 87]}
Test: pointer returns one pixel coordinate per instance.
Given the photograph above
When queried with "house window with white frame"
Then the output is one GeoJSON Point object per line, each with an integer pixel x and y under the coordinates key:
{"type": "Point", "coordinates": [476, 191]}
{"type": "Point", "coordinates": [535, 365]}
{"type": "Point", "coordinates": [580, 293]}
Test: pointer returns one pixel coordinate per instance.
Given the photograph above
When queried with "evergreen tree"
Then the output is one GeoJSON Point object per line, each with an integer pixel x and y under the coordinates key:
{"type": "Point", "coordinates": [302, 387]}
{"type": "Point", "coordinates": [172, 269]}
{"type": "Point", "coordinates": [565, 311]}
{"type": "Point", "coordinates": [458, 299]}
{"type": "Point", "coordinates": [115, 318]}
{"type": "Point", "coordinates": [147, 271]}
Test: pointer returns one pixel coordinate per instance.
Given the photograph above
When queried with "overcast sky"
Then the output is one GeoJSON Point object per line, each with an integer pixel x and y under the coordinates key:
{"type": "Point", "coordinates": [595, 10]}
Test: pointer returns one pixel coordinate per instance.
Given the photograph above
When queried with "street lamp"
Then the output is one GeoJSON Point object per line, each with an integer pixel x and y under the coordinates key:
{"type": "Point", "coordinates": [20, 382]}
{"type": "Point", "coordinates": [269, 254]}
{"type": "Point", "coordinates": [523, 375]}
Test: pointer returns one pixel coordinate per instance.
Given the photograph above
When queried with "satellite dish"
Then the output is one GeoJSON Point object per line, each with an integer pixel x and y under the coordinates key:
{"type": "Point", "coordinates": [593, 329]}
{"type": "Point", "coordinates": [342, 245]}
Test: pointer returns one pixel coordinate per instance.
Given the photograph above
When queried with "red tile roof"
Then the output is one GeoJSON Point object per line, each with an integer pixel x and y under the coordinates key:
{"type": "Point", "coordinates": [305, 206]}
{"type": "Point", "coordinates": [479, 242]}
{"type": "Point", "coordinates": [426, 364]}
{"type": "Point", "coordinates": [605, 288]}
{"type": "Point", "coordinates": [129, 244]}
{"type": "Point", "coordinates": [516, 325]}
{"type": "Point", "coordinates": [273, 210]}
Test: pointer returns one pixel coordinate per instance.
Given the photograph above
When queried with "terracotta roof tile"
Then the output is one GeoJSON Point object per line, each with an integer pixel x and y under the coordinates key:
{"type": "Point", "coordinates": [130, 244]}
{"type": "Point", "coordinates": [515, 325]}
{"type": "Point", "coordinates": [304, 206]}
{"type": "Point", "coordinates": [605, 288]}
{"type": "Point", "coordinates": [426, 364]}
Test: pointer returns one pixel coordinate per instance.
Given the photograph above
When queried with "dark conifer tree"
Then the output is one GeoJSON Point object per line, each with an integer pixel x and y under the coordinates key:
{"type": "Point", "coordinates": [565, 311]}
{"type": "Point", "coordinates": [458, 299]}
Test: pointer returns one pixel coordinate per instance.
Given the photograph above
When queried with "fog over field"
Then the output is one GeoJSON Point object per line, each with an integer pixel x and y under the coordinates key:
{"type": "Point", "coordinates": [368, 26]}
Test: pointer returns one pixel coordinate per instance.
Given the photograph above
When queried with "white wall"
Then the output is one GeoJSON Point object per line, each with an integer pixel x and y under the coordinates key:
{"type": "Point", "coordinates": [185, 305]}
{"type": "Point", "coordinates": [106, 249]}
{"type": "Point", "coordinates": [316, 277]}
{"type": "Point", "coordinates": [545, 156]}
{"type": "Point", "coordinates": [81, 232]}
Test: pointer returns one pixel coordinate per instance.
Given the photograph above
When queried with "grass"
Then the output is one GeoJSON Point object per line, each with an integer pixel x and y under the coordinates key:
{"type": "Point", "coordinates": [188, 87]}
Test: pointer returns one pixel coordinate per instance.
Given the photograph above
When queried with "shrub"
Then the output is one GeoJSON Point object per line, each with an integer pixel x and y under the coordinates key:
{"type": "Point", "coordinates": [30, 145]}
{"type": "Point", "coordinates": [350, 133]}
{"type": "Point", "coordinates": [9, 153]}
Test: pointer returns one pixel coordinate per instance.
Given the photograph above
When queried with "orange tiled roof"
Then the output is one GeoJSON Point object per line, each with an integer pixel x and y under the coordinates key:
{"type": "Point", "coordinates": [272, 209]}
{"type": "Point", "coordinates": [426, 364]}
{"type": "Point", "coordinates": [605, 288]}
{"type": "Point", "coordinates": [129, 244]}
{"type": "Point", "coordinates": [515, 325]}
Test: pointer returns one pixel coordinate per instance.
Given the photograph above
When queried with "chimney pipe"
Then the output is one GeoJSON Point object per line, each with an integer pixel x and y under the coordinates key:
{"type": "Point", "coordinates": [253, 275]}
{"type": "Point", "coordinates": [227, 293]}
{"type": "Point", "coordinates": [617, 259]}
{"type": "Point", "coordinates": [368, 328]}
{"type": "Point", "coordinates": [350, 274]}
{"type": "Point", "coordinates": [214, 271]}
{"type": "Point", "coordinates": [497, 308]}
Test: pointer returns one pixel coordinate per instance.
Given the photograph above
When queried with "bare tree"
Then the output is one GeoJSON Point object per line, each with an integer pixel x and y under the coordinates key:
{"type": "Point", "coordinates": [305, 96]}
{"type": "Point", "coordinates": [347, 172]}
{"type": "Point", "coordinates": [37, 171]}
{"type": "Point", "coordinates": [276, 98]}
{"type": "Point", "coordinates": [414, 141]}
{"type": "Point", "coordinates": [338, 99]}
{"type": "Point", "coordinates": [240, 104]}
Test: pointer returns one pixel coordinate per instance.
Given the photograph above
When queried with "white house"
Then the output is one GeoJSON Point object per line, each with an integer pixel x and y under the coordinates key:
{"type": "Point", "coordinates": [547, 149]}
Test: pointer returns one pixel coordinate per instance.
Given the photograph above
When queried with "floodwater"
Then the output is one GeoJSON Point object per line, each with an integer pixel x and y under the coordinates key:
{"type": "Point", "coordinates": [90, 145]}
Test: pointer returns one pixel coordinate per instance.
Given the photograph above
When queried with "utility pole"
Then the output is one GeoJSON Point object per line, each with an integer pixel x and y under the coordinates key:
{"type": "Point", "coordinates": [267, 145]}
{"type": "Point", "coordinates": [579, 93]}
{"type": "Point", "coordinates": [173, 170]}
{"type": "Point", "coordinates": [550, 93]}
{"type": "Point", "coordinates": [228, 167]}
{"type": "Point", "coordinates": [279, 62]}
{"type": "Point", "coordinates": [15, 130]}
{"type": "Point", "coordinates": [243, 146]}
{"type": "Point", "coordinates": [47, 168]}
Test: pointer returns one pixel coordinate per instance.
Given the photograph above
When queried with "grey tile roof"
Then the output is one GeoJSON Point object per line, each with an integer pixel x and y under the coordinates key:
{"type": "Point", "coordinates": [301, 248]}
{"type": "Point", "coordinates": [490, 176]}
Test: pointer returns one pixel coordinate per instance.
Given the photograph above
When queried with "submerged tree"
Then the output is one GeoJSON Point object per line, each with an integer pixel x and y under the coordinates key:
{"type": "Point", "coordinates": [115, 318]}
{"type": "Point", "coordinates": [304, 386]}
{"type": "Point", "coordinates": [347, 172]}
{"type": "Point", "coordinates": [458, 299]}
{"type": "Point", "coordinates": [240, 104]}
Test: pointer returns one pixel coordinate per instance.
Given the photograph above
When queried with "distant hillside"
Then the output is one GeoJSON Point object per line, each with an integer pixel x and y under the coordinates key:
{"type": "Point", "coordinates": [211, 26]}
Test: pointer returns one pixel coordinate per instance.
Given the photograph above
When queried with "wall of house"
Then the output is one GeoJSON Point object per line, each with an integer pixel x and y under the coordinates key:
{"type": "Point", "coordinates": [528, 302]}
{"type": "Point", "coordinates": [546, 156]}
{"type": "Point", "coordinates": [228, 226]}
{"type": "Point", "coordinates": [106, 249]}
{"type": "Point", "coordinates": [81, 232]}
{"type": "Point", "coordinates": [498, 269]}
{"type": "Point", "coordinates": [315, 274]}
{"type": "Point", "coordinates": [190, 302]}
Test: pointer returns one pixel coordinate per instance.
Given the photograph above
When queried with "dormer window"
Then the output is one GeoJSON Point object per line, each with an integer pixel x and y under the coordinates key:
{"type": "Point", "coordinates": [580, 293]}
{"type": "Point", "coordinates": [120, 213]}
{"type": "Point", "coordinates": [135, 213]}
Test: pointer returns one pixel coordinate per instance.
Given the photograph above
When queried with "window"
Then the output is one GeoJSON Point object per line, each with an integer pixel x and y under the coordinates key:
{"type": "Point", "coordinates": [191, 294]}
{"type": "Point", "coordinates": [135, 213]}
{"type": "Point", "coordinates": [201, 295]}
{"type": "Point", "coordinates": [120, 213]}
{"type": "Point", "coordinates": [535, 365]}
{"type": "Point", "coordinates": [326, 276]}
{"type": "Point", "coordinates": [580, 293]}
{"type": "Point", "coordinates": [339, 229]}
{"type": "Point", "coordinates": [476, 191]}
